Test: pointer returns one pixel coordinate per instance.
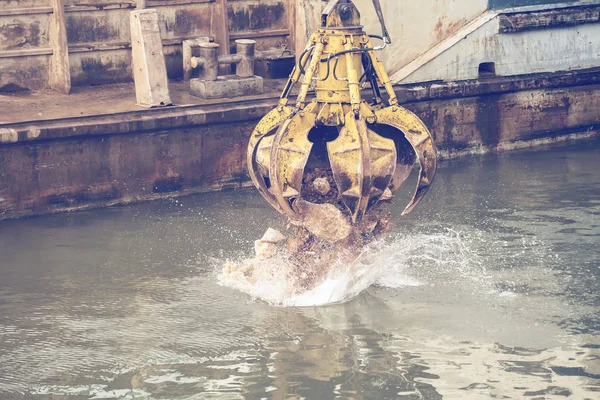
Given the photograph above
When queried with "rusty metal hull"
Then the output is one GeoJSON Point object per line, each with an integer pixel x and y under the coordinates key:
{"type": "Point", "coordinates": [78, 163]}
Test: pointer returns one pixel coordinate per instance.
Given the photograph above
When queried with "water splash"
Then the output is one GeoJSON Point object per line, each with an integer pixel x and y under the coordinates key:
{"type": "Point", "coordinates": [399, 261]}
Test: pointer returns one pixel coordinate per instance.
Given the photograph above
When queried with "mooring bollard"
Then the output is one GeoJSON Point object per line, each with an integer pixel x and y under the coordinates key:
{"type": "Point", "coordinates": [245, 48]}
{"type": "Point", "coordinates": [210, 86]}
{"type": "Point", "coordinates": [209, 60]}
{"type": "Point", "coordinates": [191, 48]}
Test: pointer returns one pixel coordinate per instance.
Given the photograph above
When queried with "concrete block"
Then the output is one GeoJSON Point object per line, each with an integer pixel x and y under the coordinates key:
{"type": "Point", "coordinates": [148, 63]}
{"type": "Point", "coordinates": [227, 86]}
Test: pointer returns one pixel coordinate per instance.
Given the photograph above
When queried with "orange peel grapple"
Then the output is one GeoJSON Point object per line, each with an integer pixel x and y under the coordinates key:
{"type": "Point", "coordinates": [362, 150]}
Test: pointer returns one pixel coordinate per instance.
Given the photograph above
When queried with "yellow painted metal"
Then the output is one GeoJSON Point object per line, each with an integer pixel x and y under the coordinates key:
{"type": "Point", "coordinates": [332, 86]}
{"type": "Point", "coordinates": [351, 165]}
{"type": "Point", "coordinates": [289, 154]}
{"type": "Point", "coordinates": [348, 17]}
{"type": "Point", "coordinates": [331, 114]}
{"type": "Point", "coordinates": [297, 71]}
{"type": "Point", "coordinates": [363, 163]}
{"type": "Point", "coordinates": [383, 77]}
{"type": "Point", "coordinates": [382, 152]}
{"type": "Point", "coordinates": [353, 75]}
{"type": "Point", "coordinates": [265, 129]}
{"type": "Point", "coordinates": [310, 72]}
{"type": "Point", "coordinates": [420, 139]}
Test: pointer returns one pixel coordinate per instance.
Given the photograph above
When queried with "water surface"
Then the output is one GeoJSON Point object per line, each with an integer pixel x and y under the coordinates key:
{"type": "Point", "coordinates": [490, 289]}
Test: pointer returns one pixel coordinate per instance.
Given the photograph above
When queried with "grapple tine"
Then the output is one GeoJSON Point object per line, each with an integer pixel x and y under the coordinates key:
{"type": "Point", "coordinates": [383, 156]}
{"type": "Point", "coordinates": [420, 139]}
{"type": "Point", "coordinates": [351, 165]}
{"type": "Point", "coordinates": [265, 128]}
{"type": "Point", "coordinates": [289, 154]}
{"type": "Point", "coordinates": [345, 175]}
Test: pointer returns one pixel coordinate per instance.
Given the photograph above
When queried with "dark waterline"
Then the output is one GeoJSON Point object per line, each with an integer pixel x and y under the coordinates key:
{"type": "Point", "coordinates": [124, 302]}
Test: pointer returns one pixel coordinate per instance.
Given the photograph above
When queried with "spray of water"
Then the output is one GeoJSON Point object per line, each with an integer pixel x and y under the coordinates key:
{"type": "Point", "coordinates": [398, 261]}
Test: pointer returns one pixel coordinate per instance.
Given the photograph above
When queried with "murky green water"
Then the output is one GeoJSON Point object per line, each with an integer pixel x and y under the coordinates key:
{"type": "Point", "coordinates": [490, 289]}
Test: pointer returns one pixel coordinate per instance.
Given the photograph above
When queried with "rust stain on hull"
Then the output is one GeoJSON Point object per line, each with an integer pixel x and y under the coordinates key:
{"type": "Point", "coordinates": [564, 17]}
{"type": "Point", "coordinates": [257, 16]}
{"type": "Point", "coordinates": [18, 35]}
{"type": "Point", "coordinates": [89, 29]}
{"type": "Point", "coordinates": [139, 158]}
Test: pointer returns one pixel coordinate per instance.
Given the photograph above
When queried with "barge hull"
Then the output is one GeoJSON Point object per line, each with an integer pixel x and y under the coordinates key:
{"type": "Point", "coordinates": [75, 163]}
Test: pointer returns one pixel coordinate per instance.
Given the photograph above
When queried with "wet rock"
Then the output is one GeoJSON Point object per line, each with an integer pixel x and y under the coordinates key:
{"type": "Point", "coordinates": [265, 250]}
{"type": "Point", "coordinates": [324, 178]}
{"type": "Point", "coordinates": [323, 220]}
{"type": "Point", "coordinates": [245, 270]}
{"type": "Point", "coordinates": [387, 195]}
{"type": "Point", "coordinates": [294, 245]}
{"type": "Point", "coordinates": [322, 186]}
{"type": "Point", "coordinates": [273, 236]}
{"type": "Point", "coordinates": [266, 247]}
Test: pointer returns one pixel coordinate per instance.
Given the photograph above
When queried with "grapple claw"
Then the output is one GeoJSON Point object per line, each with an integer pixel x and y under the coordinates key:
{"type": "Point", "coordinates": [337, 149]}
{"type": "Point", "coordinates": [289, 154]}
{"type": "Point", "coordinates": [264, 132]}
{"type": "Point", "coordinates": [420, 139]}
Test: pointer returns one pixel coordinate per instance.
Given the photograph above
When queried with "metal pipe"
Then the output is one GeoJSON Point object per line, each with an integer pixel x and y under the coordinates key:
{"type": "Point", "coordinates": [353, 76]}
{"type": "Point", "coordinates": [386, 36]}
{"type": "Point", "coordinates": [210, 59]}
{"type": "Point", "coordinates": [246, 50]}
{"type": "Point", "coordinates": [196, 62]}
{"type": "Point", "coordinates": [310, 73]}
{"type": "Point", "coordinates": [209, 53]}
{"type": "Point", "coordinates": [229, 59]}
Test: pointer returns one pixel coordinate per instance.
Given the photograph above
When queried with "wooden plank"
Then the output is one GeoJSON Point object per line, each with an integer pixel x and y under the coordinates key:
{"type": "Point", "coordinates": [308, 20]}
{"type": "Point", "coordinates": [168, 3]}
{"type": "Point", "coordinates": [219, 28]}
{"type": "Point", "coordinates": [40, 51]}
{"type": "Point", "coordinates": [292, 25]}
{"type": "Point", "coordinates": [548, 19]}
{"type": "Point", "coordinates": [60, 75]}
{"type": "Point", "coordinates": [259, 34]}
{"type": "Point", "coordinates": [179, 40]}
{"type": "Point", "coordinates": [219, 25]}
{"type": "Point", "coordinates": [73, 8]}
{"type": "Point", "coordinates": [87, 47]}
{"type": "Point", "coordinates": [25, 11]}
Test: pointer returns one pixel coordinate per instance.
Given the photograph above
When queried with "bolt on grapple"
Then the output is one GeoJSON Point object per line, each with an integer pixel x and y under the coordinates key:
{"type": "Point", "coordinates": [334, 147]}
